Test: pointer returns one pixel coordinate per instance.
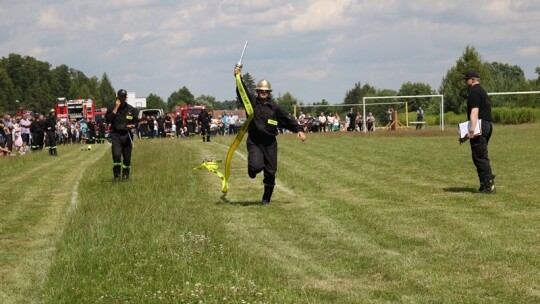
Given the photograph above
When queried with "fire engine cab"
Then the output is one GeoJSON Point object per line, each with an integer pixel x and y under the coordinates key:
{"type": "Point", "coordinates": [74, 109]}
{"type": "Point", "coordinates": [184, 111]}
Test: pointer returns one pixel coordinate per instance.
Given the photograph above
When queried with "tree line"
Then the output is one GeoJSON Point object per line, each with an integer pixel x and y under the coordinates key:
{"type": "Point", "coordinates": [26, 81]}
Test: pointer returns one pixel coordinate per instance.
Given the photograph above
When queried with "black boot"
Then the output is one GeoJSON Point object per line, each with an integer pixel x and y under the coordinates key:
{"type": "Point", "coordinates": [203, 139]}
{"type": "Point", "coordinates": [116, 172]}
{"type": "Point", "coordinates": [268, 190]}
{"type": "Point", "coordinates": [55, 152]}
{"type": "Point", "coordinates": [125, 174]}
{"type": "Point", "coordinates": [208, 138]}
{"type": "Point", "coordinates": [482, 184]}
{"type": "Point", "coordinates": [489, 185]}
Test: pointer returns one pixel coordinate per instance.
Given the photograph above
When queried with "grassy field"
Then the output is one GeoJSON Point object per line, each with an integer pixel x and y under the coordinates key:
{"type": "Point", "coordinates": [388, 217]}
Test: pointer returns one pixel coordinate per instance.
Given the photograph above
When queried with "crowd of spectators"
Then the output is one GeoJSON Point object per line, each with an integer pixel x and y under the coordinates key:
{"type": "Point", "coordinates": [25, 132]}
{"type": "Point", "coordinates": [16, 136]}
{"type": "Point", "coordinates": [333, 122]}
{"type": "Point", "coordinates": [176, 126]}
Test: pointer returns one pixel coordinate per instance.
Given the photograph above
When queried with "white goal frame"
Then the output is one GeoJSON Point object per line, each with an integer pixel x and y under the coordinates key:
{"type": "Point", "coordinates": [409, 97]}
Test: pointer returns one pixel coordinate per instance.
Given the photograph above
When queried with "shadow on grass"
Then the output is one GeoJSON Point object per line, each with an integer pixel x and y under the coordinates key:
{"type": "Point", "coordinates": [460, 190]}
{"type": "Point", "coordinates": [225, 200]}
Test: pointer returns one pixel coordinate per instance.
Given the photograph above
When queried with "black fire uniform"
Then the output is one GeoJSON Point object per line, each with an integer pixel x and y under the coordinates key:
{"type": "Point", "coordinates": [478, 98]}
{"type": "Point", "coordinates": [261, 142]}
{"type": "Point", "coordinates": [37, 128]}
{"type": "Point", "coordinates": [204, 119]}
{"type": "Point", "coordinates": [121, 137]}
{"type": "Point", "coordinates": [50, 127]}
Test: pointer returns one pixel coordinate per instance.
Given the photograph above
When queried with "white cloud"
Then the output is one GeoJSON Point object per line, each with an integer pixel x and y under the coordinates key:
{"type": "Point", "coordinates": [319, 15]}
{"type": "Point", "coordinates": [529, 51]}
{"type": "Point", "coordinates": [49, 18]}
{"type": "Point", "coordinates": [313, 47]}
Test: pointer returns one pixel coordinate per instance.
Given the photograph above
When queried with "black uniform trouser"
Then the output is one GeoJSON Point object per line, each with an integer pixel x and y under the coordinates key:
{"type": "Point", "coordinates": [121, 151]}
{"type": "Point", "coordinates": [205, 131]}
{"type": "Point", "coordinates": [262, 155]}
{"type": "Point", "coordinates": [37, 141]}
{"type": "Point", "coordinates": [479, 150]}
{"type": "Point", "coordinates": [51, 141]}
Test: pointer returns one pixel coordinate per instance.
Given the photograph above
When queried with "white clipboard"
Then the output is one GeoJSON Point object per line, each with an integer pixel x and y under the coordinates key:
{"type": "Point", "coordinates": [464, 128]}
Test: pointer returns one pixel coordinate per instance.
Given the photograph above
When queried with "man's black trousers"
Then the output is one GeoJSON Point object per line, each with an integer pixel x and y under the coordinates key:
{"type": "Point", "coordinates": [479, 150]}
{"type": "Point", "coordinates": [121, 148]}
{"type": "Point", "coordinates": [262, 155]}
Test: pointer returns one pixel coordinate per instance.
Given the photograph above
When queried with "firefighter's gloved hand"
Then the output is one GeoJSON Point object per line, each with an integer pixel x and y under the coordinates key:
{"type": "Point", "coordinates": [237, 70]}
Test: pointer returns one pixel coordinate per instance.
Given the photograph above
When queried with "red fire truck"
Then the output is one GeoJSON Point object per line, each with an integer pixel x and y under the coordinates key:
{"type": "Point", "coordinates": [74, 109]}
{"type": "Point", "coordinates": [184, 111]}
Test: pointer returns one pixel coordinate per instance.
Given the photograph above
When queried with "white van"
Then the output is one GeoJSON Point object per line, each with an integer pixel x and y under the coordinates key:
{"type": "Point", "coordinates": [150, 112]}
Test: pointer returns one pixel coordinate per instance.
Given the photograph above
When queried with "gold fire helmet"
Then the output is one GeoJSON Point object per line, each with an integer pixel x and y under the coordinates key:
{"type": "Point", "coordinates": [264, 85]}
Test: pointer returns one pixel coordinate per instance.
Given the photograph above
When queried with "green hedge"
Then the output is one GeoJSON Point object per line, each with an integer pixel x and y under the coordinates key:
{"type": "Point", "coordinates": [502, 115]}
{"type": "Point", "coordinates": [515, 116]}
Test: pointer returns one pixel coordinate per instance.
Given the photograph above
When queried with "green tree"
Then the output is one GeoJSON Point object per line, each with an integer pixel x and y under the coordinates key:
{"type": "Point", "coordinates": [418, 88]}
{"type": "Point", "coordinates": [453, 86]}
{"type": "Point", "coordinates": [93, 87]}
{"type": "Point", "coordinates": [537, 70]}
{"type": "Point", "coordinates": [287, 101]}
{"type": "Point", "coordinates": [7, 91]}
{"type": "Point", "coordinates": [107, 94]}
{"type": "Point", "coordinates": [153, 101]}
{"type": "Point", "coordinates": [181, 97]}
{"type": "Point", "coordinates": [507, 78]}
{"type": "Point", "coordinates": [356, 94]}
{"type": "Point", "coordinates": [206, 100]}
{"type": "Point", "coordinates": [64, 79]}
{"type": "Point", "coordinates": [322, 106]}
{"type": "Point", "coordinates": [226, 105]}
{"type": "Point", "coordinates": [73, 92]}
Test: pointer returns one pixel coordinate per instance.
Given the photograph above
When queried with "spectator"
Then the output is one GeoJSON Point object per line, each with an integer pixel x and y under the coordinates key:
{"type": "Point", "coordinates": [370, 120]}
{"type": "Point", "coordinates": [330, 121]}
{"type": "Point", "coordinates": [25, 123]}
{"type": "Point", "coordinates": [322, 122]}
{"type": "Point", "coordinates": [336, 122]}
{"type": "Point", "coordinates": [17, 139]}
{"type": "Point", "coordinates": [232, 123]}
{"type": "Point", "coordinates": [419, 118]}
{"type": "Point", "coordinates": [8, 132]}
{"type": "Point", "coordinates": [352, 120]}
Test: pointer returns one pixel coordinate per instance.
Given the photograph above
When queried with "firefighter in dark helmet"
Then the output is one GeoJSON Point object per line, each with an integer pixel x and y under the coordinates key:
{"type": "Point", "coordinates": [123, 119]}
{"type": "Point", "coordinates": [50, 129]}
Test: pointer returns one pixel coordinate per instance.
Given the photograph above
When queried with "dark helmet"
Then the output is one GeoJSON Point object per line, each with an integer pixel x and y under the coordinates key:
{"type": "Point", "coordinates": [121, 93]}
{"type": "Point", "coordinates": [471, 74]}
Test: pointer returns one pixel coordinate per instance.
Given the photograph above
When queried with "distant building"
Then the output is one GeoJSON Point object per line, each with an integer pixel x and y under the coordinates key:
{"type": "Point", "coordinates": [137, 102]}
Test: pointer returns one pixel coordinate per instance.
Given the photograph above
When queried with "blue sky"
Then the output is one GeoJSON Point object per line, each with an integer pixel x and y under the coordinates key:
{"type": "Point", "coordinates": [314, 49]}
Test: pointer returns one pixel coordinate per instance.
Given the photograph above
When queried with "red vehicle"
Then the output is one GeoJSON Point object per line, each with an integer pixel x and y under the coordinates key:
{"type": "Point", "coordinates": [184, 111]}
{"type": "Point", "coordinates": [74, 109]}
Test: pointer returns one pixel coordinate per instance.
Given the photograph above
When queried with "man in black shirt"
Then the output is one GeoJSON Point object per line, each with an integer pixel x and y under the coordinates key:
{"type": "Point", "coordinates": [479, 108]}
{"type": "Point", "coordinates": [123, 118]}
{"type": "Point", "coordinates": [263, 129]}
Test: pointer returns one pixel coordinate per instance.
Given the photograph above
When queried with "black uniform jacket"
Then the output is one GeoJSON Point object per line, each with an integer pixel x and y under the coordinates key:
{"type": "Point", "coordinates": [126, 115]}
{"type": "Point", "coordinates": [50, 122]}
{"type": "Point", "coordinates": [268, 116]}
{"type": "Point", "coordinates": [38, 126]}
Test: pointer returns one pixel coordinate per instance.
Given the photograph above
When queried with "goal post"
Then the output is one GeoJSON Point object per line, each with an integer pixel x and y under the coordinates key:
{"type": "Point", "coordinates": [401, 97]}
